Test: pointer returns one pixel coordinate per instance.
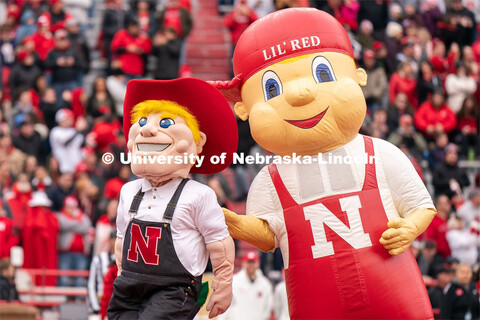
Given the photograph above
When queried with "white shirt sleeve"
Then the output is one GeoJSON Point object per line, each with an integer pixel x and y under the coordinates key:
{"type": "Point", "coordinates": [122, 222]}
{"type": "Point", "coordinates": [407, 189]}
{"type": "Point", "coordinates": [209, 217]}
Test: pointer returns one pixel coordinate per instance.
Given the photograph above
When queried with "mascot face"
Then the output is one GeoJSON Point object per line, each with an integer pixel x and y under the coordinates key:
{"type": "Point", "coordinates": [162, 135]}
{"type": "Point", "coordinates": [306, 104]}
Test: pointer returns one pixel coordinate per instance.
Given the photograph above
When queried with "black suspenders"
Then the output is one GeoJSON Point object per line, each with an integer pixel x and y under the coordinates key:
{"type": "Point", "coordinates": [172, 204]}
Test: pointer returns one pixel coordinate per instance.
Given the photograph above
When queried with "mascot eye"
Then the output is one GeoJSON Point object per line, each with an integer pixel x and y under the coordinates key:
{"type": "Point", "coordinates": [167, 122]}
{"type": "Point", "coordinates": [322, 70]}
{"type": "Point", "coordinates": [271, 84]}
{"type": "Point", "coordinates": [142, 121]}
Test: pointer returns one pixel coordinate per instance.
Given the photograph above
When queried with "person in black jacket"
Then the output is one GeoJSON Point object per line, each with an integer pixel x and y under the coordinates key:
{"type": "Point", "coordinates": [448, 178]}
{"type": "Point", "coordinates": [29, 141]}
{"type": "Point", "coordinates": [113, 21]}
{"type": "Point", "coordinates": [166, 49]}
{"type": "Point", "coordinates": [65, 64]}
{"type": "Point", "coordinates": [461, 297]}
{"type": "Point", "coordinates": [8, 291]}
{"type": "Point", "coordinates": [24, 71]}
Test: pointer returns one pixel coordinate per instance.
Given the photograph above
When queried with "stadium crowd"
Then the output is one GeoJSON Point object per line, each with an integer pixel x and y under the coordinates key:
{"type": "Point", "coordinates": [58, 199]}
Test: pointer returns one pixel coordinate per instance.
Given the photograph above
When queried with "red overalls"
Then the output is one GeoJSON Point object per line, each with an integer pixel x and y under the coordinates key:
{"type": "Point", "coordinates": [347, 283]}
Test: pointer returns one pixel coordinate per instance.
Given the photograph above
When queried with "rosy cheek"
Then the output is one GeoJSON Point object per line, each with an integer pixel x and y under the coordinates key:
{"type": "Point", "coordinates": [182, 146]}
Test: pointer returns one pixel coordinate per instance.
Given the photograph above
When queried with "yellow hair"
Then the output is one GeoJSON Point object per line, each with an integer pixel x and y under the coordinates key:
{"type": "Point", "coordinates": [168, 109]}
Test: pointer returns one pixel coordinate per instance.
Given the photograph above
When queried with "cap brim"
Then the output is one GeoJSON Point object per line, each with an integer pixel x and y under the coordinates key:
{"type": "Point", "coordinates": [207, 104]}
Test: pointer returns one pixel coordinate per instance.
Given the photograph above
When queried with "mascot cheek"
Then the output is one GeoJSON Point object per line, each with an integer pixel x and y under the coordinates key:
{"type": "Point", "coordinates": [269, 126]}
{"type": "Point", "coordinates": [349, 106]}
{"type": "Point", "coordinates": [182, 146]}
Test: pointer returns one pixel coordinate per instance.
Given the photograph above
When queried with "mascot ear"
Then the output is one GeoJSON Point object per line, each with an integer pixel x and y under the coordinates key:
{"type": "Point", "coordinates": [240, 110]}
{"type": "Point", "coordinates": [361, 77]}
{"type": "Point", "coordinates": [201, 143]}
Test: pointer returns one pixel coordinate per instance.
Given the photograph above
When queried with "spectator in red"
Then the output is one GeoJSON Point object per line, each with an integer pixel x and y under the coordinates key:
{"type": "Point", "coordinates": [18, 200]}
{"type": "Point", "coordinates": [42, 39]}
{"type": "Point", "coordinates": [239, 19]}
{"type": "Point", "coordinates": [56, 15]}
{"type": "Point", "coordinates": [40, 237]}
{"type": "Point", "coordinates": [404, 81]}
{"type": "Point", "coordinates": [113, 186]}
{"type": "Point", "coordinates": [131, 46]}
{"type": "Point", "coordinates": [437, 230]}
{"type": "Point", "coordinates": [72, 241]}
{"type": "Point", "coordinates": [434, 116]}
{"type": "Point", "coordinates": [8, 237]}
{"type": "Point", "coordinates": [467, 137]}
{"type": "Point", "coordinates": [108, 290]}
{"type": "Point", "coordinates": [177, 17]}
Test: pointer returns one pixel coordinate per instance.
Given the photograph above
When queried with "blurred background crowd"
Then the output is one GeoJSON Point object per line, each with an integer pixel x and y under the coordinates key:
{"type": "Point", "coordinates": [64, 68]}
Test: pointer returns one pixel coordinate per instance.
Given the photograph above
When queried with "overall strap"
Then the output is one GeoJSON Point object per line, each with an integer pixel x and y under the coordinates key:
{"type": "Point", "coordinates": [136, 202]}
{"type": "Point", "coordinates": [370, 181]}
{"type": "Point", "coordinates": [172, 204]}
{"type": "Point", "coordinates": [285, 197]}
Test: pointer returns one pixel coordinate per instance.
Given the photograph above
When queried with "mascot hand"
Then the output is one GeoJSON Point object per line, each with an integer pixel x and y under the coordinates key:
{"type": "Point", "coordinates": [402, 231]}
{"type": "Point", "coordinates": [250, 229]}
{"type": "Point", "coordinates": [222, 255]}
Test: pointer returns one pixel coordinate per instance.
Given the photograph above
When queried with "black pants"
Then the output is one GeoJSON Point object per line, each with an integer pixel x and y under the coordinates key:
{"type": "Point", "coordinates": [132, 299]}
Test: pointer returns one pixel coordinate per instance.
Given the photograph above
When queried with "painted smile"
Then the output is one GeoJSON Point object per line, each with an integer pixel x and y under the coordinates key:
{"type": "Point", "coordinates": [308, 123]}
{"type": "Point", "coordinates": [152, 147]}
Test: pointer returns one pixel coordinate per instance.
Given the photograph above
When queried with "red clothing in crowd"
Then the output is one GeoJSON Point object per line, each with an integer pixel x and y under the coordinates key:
{"type": "Point", "coordinates": [238, 23]}
{"type": "Point", "coordinates": [427, 115]}
{"type": "Point", "coordinates": [112, 188]}
{"type": "Point", "coordinates": [8, 239]}
{"type": "Point", "coordinates": [437, 231]}
{"type": "Point", "coordinates": [468, 122]}
{"type": "Point", "coordinates": [108, 280]}
{"type": "Point", "coordinates": [43, 44]}
{"type": "Point", "coordinates": [59, 24]}
{"type": "Point", "coordinates": [40, 242]}
{"type": "Point", "coordinates": [408, 86]}
{"type": "Point", "coordinates": [104, 133]}
{"type": "Point", "coordinates": [18, 203]}
{"type": "Point", "coordinates": [132, 63]}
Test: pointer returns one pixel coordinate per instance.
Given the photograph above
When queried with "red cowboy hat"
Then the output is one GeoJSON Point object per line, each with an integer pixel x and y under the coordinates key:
{"type": "Point", "coordinates": [214, 115]}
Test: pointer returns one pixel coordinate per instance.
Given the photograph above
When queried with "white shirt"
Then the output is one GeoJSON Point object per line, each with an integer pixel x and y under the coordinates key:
{"type": "Point", "coordinates": [401, 189]}
{"type": "Point", "coordinates": [281, 302]}
{"type": "Point", "coordinates": [252, 300]}
{"type": "Point", "coordinates": [68, 155]}
{"type": "Point", "coordinates": [197, 221]}
{"type": "Point", "coordinates": [463, 245]}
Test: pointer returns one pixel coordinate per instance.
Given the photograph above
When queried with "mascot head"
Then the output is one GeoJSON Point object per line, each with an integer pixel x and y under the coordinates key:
{"type": "Point", "coordinates": [169, 123]}
{"type": "Point", "coordinates": [297, 83]}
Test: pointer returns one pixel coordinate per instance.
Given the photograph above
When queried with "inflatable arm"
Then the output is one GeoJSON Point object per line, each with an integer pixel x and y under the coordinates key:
{"type": "Point", "coordinates": [222, 255]}
{"type": "Point", "coordinates": [402, 231]}
{"type": "Point", "coordinates": [250, 229]}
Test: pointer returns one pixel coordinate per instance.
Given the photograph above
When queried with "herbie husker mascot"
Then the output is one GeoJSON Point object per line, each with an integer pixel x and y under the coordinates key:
{"type": "Point", "coordinates": [168, 225]}
{"type": "Point", "coordinates": [344, 228]}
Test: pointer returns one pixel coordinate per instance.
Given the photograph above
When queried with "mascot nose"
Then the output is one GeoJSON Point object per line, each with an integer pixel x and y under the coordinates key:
{"type": "Point", "coordinates": [299, 93]}
{"type": "Point", "coordinates": [148, 131]}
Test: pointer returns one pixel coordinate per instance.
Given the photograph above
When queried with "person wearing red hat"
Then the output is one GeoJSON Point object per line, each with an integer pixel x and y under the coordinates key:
{"type": "Point", "coordinates": [344, 227]}
{"type": "Point", "coordinates": [168, 225]}
{"type": "Point", "coordinates": [56, 16]}
{"type": "Point", "coordinates": [42, 39]}
{"type": "Point", "coordinates": [252, 292]}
